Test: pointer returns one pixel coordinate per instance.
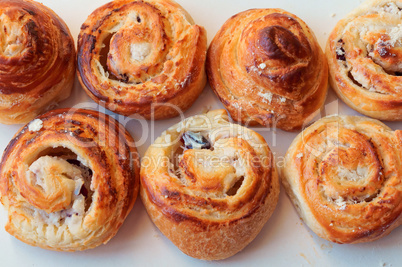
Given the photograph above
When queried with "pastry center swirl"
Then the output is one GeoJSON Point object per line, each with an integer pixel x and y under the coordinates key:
{"type": "Point", "coordinates": [217, 170]}
{"type": "Point", "coordinates": [54, 181]}
{"type": "Point", "coordinates": [137, 46]}
{"type": "Point", "coordinates": [281, 44]}
{"type": "Point", "coordinates": [277, 54]}
{"type": "Point", "coordinates": [349, 170]}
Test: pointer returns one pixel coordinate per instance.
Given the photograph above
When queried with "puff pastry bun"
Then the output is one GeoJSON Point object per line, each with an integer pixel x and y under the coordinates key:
{"type": "Point", "coordinates": [142, 57]}
{"type": "Point", "coordinates": [364, 55]}
{"type": "Point", "coordinates": [343, 174]}
{"type": "Point", "coordinates": [68, 180]}
{"type": "Point", "coordinates": [209, 185]}
{"type": "Point", "coordinates": [37, 60]}
{"type": "Point", "coordinates": [267, 68]}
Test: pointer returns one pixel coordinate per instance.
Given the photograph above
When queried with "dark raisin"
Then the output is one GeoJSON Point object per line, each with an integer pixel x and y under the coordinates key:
{"type": "Point", "coordinates": [124, 78]}
{"type": "Point", "coordinates": [193, 140]}
{"type": "Point", "coordinates": [383, 49]}
{"type": "Point", "coordinates": [79, 164]}
{"type": "Point", "coordinates": [84, 191]}
{"type": "Point", "coordinates": [74, 162]}
{"type": "Point", "coordinates": [340, 52]}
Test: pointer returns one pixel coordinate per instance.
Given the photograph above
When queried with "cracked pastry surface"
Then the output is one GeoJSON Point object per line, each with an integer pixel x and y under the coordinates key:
{"type": "Point", "coordinates": [364, 53]}
{"type": "Point", "coordinates": [37, 60]}
{"type": "Point", "coordinates": [68, 180]}
{"type": "Point", "coordinates": [343, 175]}
{"type": "Point", "coordinates": [267, 68]}
{"type": "Point", "coordinates": [142, 57]}
{"type": "Point", "coordinates": [209, 185]}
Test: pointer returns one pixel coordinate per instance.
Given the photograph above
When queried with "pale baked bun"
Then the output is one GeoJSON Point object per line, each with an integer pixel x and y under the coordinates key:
{"type": "Point", "coordinates": [267, 68]}
{"type": "Point", "coordinates": [209, 185]}
{"type": "Point", "coordinates": [142, 57]}
{"type": "Point", "coordinates": [343, 175]}
{"type": "Point", "coordinates": [37, 60]}
{"type": "Point", "coordinates": [364, 55]}
{"type": "Point", "coordinates": [68, 179]}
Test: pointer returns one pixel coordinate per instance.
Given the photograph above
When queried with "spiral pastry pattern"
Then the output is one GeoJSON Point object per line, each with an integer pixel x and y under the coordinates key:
{"type": "Point", "coordinates": [209, 185]}
{"type": "Point", "coordinates": [68, 180]}
{"type": "Point", "coordinates": [142, 57]}
{"type": "Point", "coordinates": [37, 60]}
{"type": "Point", "coordinates": [343, 175]}
{"type": "Point", "coordinates": [364, 53]}
{"type": "Point", "coordinates": [267, 68]}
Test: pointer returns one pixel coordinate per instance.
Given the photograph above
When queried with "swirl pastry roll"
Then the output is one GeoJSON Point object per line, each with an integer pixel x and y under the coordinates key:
{"type": "Point", "coordinates": [142, 57]}
{"type": "Point", "coordinates": [37, 60]}
{"type": "Point", "coordinates": [364, 53]}
{"type": "Point", "coordinates": [343, 175]}
{"type": "Point", "coordinates": [68, 180]}
{"type": "Point", "coordinates": [267, 68]}
{"type": "Point", "coordinates": [209, 185]}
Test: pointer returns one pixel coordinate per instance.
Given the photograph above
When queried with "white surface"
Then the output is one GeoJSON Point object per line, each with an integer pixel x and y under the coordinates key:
{"type": "Point", "coordinates": [284, 241]}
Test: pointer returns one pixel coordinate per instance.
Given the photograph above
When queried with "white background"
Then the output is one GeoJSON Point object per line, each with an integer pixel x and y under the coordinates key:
{"type": "Point", "coordinates": [284, 241]}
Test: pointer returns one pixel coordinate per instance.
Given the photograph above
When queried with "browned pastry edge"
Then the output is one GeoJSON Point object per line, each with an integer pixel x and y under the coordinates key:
{"type": "Point", "coordinates": [208, 240]}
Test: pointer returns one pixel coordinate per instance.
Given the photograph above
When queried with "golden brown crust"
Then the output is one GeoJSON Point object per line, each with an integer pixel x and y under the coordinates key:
{"type": "Point", "coordinates": [211, 202]}
{"type": "Point", "coordinates": [68, 180]}
{"type": "Point", "coordinates": [142, 57]}
{"type": "Point", "coordinates": [37, 60]}
{"type": "Point", "coordinates": [267, 68]}
{"type": "Point", "coordinates": [364, 58]}
{"type": "Point", "coordinates": [343, 174]}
